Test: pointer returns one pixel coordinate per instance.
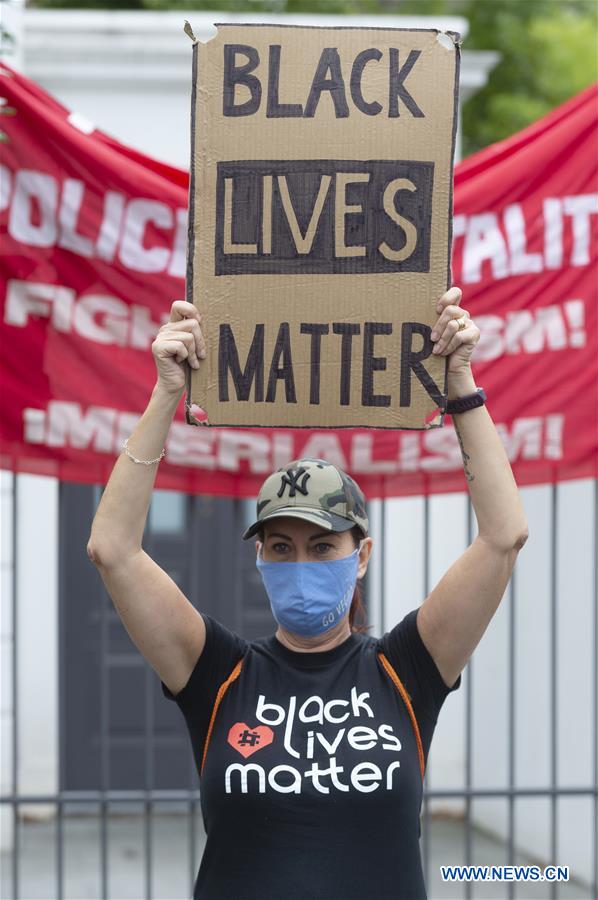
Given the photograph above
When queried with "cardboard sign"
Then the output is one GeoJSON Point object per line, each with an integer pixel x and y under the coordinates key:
{"type": "Point", "coordinates": [320, 224]}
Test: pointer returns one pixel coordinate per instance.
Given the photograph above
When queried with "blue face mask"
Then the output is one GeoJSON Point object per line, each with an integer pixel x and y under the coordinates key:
{"type": "Point", "coordinates": [309, 598]}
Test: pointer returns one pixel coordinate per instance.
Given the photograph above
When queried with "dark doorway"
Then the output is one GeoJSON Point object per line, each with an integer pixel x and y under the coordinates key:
{"type": "Point", "coordinates": [116, 729]}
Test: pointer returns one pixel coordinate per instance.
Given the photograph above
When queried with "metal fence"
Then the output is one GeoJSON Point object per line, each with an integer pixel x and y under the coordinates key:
{"type": "Point", "coordinates": [150, 803]}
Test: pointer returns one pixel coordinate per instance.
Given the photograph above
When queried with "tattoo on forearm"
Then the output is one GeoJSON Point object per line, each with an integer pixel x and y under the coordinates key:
{"type": "Point", "coordinates": [466, 457]}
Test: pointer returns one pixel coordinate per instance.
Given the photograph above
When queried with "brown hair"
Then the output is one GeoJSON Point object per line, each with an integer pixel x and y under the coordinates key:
{"type": "Point", "coordinates": [358, 611]}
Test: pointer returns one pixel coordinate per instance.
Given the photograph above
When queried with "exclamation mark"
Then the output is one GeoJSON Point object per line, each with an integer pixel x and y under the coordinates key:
{"type": "Point", "coordinates": [575, 312]}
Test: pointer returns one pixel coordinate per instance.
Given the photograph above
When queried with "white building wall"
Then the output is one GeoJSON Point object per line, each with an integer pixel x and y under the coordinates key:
{"type": "Point", "coordinates": [36, 642]}
{"type": "Point", "coordinates": [487, 674]}
{"type": "Point", "coordinates": [88, 59]}
{"type": "Point", "coordinates": [130, 74]}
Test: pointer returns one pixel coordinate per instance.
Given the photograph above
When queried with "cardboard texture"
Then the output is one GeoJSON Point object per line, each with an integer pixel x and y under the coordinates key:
{"type": "Point", "coordinates": [320, 224]}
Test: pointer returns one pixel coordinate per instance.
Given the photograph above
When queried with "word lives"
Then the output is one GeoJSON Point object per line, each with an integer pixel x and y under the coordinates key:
{"type": "Point", "coordinates": [323, 215]}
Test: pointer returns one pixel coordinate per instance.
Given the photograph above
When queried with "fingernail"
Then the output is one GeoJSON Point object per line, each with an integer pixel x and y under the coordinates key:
{"type": "Point", "coordinates": [434, 335]}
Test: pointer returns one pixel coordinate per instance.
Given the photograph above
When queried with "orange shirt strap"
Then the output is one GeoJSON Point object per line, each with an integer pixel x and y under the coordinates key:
{"type": "Point", "coordinates": [221, 692]}
{"type": "Point", "coordinates": [401, 689]}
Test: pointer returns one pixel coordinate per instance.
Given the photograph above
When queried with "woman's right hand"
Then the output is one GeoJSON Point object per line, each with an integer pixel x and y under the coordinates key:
{"type": "Point", "coordinates": [178, 340]}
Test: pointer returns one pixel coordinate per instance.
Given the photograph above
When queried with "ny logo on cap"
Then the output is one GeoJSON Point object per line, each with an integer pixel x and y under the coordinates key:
{"type": "Point", "coordinates": [291, 477]}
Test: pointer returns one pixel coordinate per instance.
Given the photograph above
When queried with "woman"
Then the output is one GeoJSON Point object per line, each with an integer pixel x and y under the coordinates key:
{"type": "Point", "coordinates": [310, 743]}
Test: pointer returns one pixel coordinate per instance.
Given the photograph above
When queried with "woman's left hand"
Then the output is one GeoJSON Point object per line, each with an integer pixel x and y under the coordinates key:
{"type": "Point", "coordinates": [448, 340]}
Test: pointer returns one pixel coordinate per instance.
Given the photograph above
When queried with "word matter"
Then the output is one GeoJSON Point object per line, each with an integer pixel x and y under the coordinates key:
{"type": "Point", "coordinates": [415, 346]}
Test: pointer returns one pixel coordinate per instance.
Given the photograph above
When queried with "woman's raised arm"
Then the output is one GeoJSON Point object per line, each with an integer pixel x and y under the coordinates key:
{"type": "Point", "coordinates": [455, 614]}
{"type": "Point", "coordinates": [162, 623]}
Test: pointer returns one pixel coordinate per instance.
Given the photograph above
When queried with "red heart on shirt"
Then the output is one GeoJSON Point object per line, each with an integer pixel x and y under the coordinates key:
{"type": "Point", "coordinates": [247, 740]}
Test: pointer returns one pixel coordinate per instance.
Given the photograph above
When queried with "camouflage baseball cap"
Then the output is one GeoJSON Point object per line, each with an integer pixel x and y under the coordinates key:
{"type": "Point", "coordinates": [311, 489]}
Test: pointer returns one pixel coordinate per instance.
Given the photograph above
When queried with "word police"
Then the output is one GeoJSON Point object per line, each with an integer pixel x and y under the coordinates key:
{"type": "Point", "coordinates": [242, 60]}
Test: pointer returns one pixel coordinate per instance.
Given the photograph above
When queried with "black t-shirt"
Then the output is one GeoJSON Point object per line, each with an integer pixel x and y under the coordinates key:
{"type": "Point", "coordinates": [311, 788]}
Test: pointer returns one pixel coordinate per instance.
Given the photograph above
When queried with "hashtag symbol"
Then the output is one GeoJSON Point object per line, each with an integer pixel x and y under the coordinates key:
{"type": "Point", "coordinates": [248, 738]}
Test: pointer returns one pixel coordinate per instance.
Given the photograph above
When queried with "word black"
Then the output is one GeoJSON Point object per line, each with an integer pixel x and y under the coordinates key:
{"type": "Point", "coordinates": [328, 78]}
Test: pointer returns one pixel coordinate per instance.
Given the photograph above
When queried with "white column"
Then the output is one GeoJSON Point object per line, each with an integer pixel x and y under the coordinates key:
{"type": "Point", "coordinates": [6, 646]}
{"type": "Point", "coordinates": [37, 639]}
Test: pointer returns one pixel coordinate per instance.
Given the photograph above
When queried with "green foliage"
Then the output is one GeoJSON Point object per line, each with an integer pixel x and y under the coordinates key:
{"type": "Point", "coordinates": [548, 47]}
{"type": "Point", "coordinates": [548, 54]}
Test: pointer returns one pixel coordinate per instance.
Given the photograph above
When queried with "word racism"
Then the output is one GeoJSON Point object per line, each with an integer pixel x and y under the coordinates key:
{"type": "Point", "coordinates": [328, 78]}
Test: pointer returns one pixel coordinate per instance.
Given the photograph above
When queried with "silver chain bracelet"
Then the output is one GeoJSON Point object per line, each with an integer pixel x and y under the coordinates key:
{"type": "Point", "coordinates": [145, 462]}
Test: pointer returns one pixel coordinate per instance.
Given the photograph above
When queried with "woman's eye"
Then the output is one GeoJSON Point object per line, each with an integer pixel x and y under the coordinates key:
{"type": "Point", "coordinates": [327, 546]}
{"type": "Point", "coordinates": [275, 547]}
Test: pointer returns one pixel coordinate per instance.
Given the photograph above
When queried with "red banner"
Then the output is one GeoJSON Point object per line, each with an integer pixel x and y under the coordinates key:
{"type": "Point", "coordinates": [93, 247]}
